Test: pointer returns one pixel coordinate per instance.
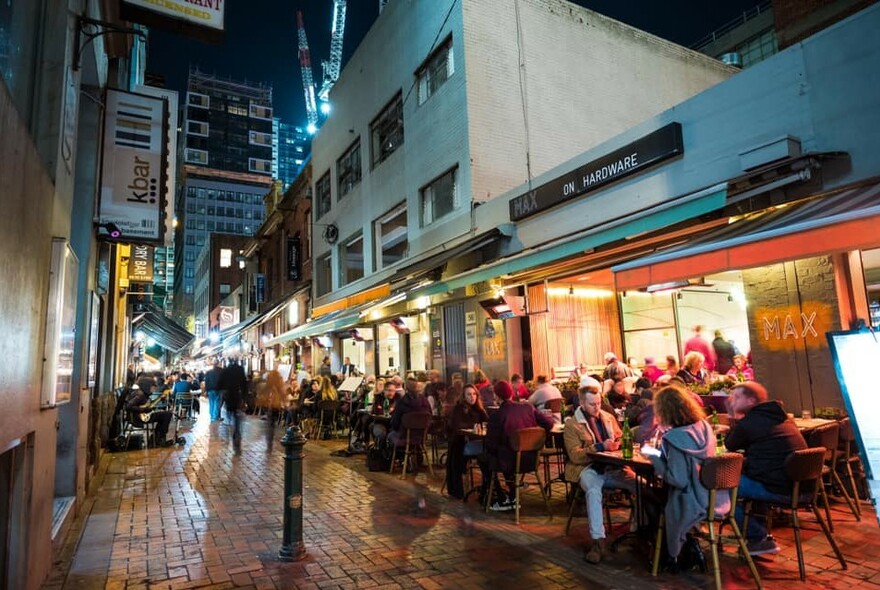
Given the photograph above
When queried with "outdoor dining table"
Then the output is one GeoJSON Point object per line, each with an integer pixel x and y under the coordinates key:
{"type": "Point", "coordinates": [805, 424]}
{"type": "Point", "coordinates": [643, 469]}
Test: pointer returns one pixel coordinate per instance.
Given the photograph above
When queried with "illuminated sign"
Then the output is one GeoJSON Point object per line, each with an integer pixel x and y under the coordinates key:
{"type": "Point", "coordinates": [208, 14]}
{"type": "Point", "coordinates": [134, 166]}
{"type": "Point", "coordinates": [778, 328]}
{"type": "Point", "coordinates": [140, 265]}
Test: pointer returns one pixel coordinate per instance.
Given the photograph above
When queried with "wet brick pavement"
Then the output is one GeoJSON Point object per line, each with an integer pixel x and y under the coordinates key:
{"type": "Point", "coordinates": [202, 516]}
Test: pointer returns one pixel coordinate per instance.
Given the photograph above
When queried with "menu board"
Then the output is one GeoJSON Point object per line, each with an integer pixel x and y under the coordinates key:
{"type": "Point", "coordinates": [856, 355]}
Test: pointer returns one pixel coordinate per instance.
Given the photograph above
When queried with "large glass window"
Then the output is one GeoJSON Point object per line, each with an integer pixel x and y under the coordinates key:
{"type": "Point", "coordinates": [348, 168]}
{"type": "Point", "coordinates": [436, 70]}
{"type": "Point", "coordinates": [225, 257]}
{"type": "Point", "coordinates": [352, 267]}
{"type": "Point", "coordinates": [386, 130]}
{"type": "Point", "coordinates": [324, 278]}
{"type": "Point", "coordinates": [440, 197]}
{"type": "Point", "coordinates": [322, 196]}
{"type": "Point", "coordinates": [391, 238]}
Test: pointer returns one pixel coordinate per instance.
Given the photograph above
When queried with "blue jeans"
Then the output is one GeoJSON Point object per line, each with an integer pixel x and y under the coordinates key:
{"type": "Point", "coordinates": [214, 403]}
{"type": "Point", "coordinates": [749, 489]}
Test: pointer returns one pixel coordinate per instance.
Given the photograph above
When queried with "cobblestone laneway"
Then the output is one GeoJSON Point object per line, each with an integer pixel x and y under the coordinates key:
{"type": "Point", "coordinates": [201, 516]}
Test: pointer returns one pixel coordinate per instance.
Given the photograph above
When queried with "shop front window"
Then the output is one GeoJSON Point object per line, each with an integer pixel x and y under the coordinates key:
{"type": "Point", "coordinates": [389, 349]}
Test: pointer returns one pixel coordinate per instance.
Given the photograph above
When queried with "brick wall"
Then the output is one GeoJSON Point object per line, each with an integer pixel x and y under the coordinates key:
{"type": "Point", "coordinates": [798, 19]}
{"type": "Point", "coordinates": [791, 306]}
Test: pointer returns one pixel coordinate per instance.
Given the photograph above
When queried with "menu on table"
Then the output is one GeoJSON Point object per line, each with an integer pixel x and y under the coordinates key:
{"type": "Point", "coordinates": [856, 354]}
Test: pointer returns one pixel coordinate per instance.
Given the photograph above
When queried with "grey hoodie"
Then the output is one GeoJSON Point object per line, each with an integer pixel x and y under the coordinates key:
{"type": "Point", "coordinates": [682, 453]}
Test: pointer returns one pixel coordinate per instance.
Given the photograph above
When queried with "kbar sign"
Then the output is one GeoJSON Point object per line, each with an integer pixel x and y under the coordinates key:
{"type": "Point", "coordinates": [639, 155]}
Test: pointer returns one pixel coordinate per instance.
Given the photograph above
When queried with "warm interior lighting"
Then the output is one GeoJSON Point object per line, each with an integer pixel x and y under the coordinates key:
{"type": "Point", "coordinates": [580, 292]}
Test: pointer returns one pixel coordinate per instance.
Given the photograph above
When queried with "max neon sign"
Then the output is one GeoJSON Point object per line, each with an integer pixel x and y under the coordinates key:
{"type": "Point", "coordinates": [780, 327]}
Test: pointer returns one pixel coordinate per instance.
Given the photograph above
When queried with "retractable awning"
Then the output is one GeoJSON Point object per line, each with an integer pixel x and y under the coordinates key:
{"type": "Point", "coordinates": [167, 333]}
{"type": "Point", "coordinates": [846, 220]}
{"type": "Point", "coordinates": [331, 322]}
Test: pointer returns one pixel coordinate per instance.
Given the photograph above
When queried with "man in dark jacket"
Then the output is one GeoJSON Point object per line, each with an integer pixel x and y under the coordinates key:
{"type": "Point", "coordinates": [212, 378]}
{"type": "Point", "coordinates": [499, 455]}
{"type": "Point", "coordinates": [140, 411]}
{"type": "Point", "coordinates": [233, 384]}
{"type": "Point", "coordinates": [724, 353]}
{"type": "Point", "coordinates": [412, 401]}
{"type": "Point", "coordinates": [766, 436]}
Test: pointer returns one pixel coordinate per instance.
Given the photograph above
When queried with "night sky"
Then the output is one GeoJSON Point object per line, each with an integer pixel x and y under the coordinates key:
{"type": "Point", "coordinates": [261, 43]}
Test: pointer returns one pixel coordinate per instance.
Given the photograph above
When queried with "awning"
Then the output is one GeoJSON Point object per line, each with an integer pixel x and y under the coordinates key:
{"type": "Point", "coordinates": [331, 322]}
{"type": "Point", "coordinates": [163, 330]}
{"type": "Point", "coordinates": [846, 220]}
{"type": "Point", "coordinates": [259, 319]}
{"type": "Point", "coordinates": [420, 268]}
{"type": "Point", "coordinates": [634, 224]}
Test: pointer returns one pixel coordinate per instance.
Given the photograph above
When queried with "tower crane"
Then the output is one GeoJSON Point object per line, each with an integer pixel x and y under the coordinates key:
{"type": "Point", "coordinates": [305, 63]}
{"type": "Point", "coordinates": [332, 65]}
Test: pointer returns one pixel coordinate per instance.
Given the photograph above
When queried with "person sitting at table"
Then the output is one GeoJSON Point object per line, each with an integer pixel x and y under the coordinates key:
{"type": "Point", "coordinates": [467, 412]}
{"type": "Point", "coordinates": [615, 399]}
{"type": "Point", "coordinates": [592, 429]}
{"type": "Point", "coordinates": [642, 414]}
{"type": "Point", "coordinates": [687, 442]}
{"type": "Point", "coordinates": [378, 427]}
{"type": "Point", "coordinates": [545, 392]}
{"type": "Point", "coordinates": [651, 371]}
{"type": "Point", "coordinates": [766, 437]}
{"type": "Point", "coordinates": [692, 371]}
{"type": "Point", "coordinates": [498, 455]}
{"type": "Point", "coordinates": [520, 391]}
{"type": "Point", "coordinates": [435, 392]}
{"type": "Point", "coordinates": [740, 371]}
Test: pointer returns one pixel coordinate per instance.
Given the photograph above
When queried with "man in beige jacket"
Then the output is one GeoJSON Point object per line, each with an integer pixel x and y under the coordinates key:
{"type": "Point", "coordinates": [592, 429]}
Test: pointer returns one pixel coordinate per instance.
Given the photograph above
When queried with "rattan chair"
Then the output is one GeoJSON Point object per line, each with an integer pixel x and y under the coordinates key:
{"type": "Point", "coordinates": [717, 474]}
{"type": "Point", "coordinates": [415, 427]}
{"type": "Point", "coordinates": [525, 442]}
{"type": "Point", "coordinates": [803, 468]}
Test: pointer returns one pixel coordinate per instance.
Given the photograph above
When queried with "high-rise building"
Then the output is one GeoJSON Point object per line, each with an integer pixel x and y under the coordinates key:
{"type": "Point", "coordinates": [227, 169]}
{"type": "Point", "coordinates": [292, 145]}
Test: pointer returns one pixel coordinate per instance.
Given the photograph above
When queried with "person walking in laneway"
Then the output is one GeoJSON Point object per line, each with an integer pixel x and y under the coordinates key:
{"type": "Point", "coordinates": [212, 378]}
{"type": "Point", "coordinates": [233, 384]}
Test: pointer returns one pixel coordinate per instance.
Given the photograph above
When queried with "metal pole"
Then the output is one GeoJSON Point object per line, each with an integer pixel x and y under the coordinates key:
{"type": "Point", "coordinates": [292, 548]}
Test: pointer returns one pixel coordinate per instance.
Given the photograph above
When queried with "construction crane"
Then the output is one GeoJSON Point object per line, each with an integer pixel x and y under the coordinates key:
{"type": "Point", "coordinates": [332, 65]}
{"type": "Point", "coordinates": [305, 64]}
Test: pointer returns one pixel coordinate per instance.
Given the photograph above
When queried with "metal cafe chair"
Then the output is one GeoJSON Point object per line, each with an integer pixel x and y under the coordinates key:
{"type": "Point", "coordinates": [828, 436]}
{"type": "Point", "coordinates": [848, 458]}
{"type": "Point", "coordinates": [803, 468]}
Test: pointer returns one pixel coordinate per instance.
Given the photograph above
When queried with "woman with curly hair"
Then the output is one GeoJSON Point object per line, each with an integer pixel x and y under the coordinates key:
{"type": "Point", "coordinates": [688, 441]}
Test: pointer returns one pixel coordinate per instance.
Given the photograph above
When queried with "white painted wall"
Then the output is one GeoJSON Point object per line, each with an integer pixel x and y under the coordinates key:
{"type": "Point", "coordinates": [586, 78]}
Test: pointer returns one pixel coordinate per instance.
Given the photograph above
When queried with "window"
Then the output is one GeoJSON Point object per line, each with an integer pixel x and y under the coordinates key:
{"type": "Point", "coordinates": [195, 99]}
{"type": "Point", "coordinates": [322, 196]}
{"type": "Point", "coordinates": [197, 128]}
{"type": "Point", "coordinates": [194, 156]}
{"type": "Point", "coordinates": [352, 267]}
{"type": "Point", "coordinates": [324, 279]}
{"type": "Point", "coordinates": [225, 257]}
{"type": "Point", "coordinates": [259, 138]}
{"type": "Point", "coordinates": [260, 112]}
{"type": "Point", "coordinates": [435, 71]}
{"type": "Point", "coordinates": [236, 109]}
{"type": "Point", "coordinates": [440, 197]}
{"type": "Point", "coordinates": [348, 168]}
{"type": "Point", "coordinates": [386, 130]}
{"type": "Point", "coordinates": [391, 238]}
{"type": "Point", "coordinates": [260, 165]}
{"type": "Point", "coordinates": [225, 289]}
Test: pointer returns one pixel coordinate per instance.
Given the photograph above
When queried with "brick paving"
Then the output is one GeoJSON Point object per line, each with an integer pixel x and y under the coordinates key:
{"type": "Point", "coordinates": [202, 516]}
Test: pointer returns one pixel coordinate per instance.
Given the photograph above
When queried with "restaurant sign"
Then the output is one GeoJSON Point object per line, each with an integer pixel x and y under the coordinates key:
{"type": "Point", "coordinates": [204, 19]}
{"type": "Point", "coordinates": [656, 147]}
{"type": "Point", "coordinates": [140, 264]}
{"type": "Point", "coordinates": [780, 327]}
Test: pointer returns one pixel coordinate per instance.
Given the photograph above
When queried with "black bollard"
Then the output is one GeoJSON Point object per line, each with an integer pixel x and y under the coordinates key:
{"type": "Point", "coordinates": [292, 548]}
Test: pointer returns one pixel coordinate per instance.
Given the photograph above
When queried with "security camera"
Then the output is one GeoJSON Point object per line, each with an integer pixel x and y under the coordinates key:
{"type": "Point", "coordinates": [112, 230]}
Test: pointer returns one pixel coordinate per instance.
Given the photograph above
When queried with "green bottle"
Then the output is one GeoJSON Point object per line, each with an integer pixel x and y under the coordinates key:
{"type": "Point", "coordinates": [626, 440]}
{"type": "Point", "coordinates": [719, 436]}
{"type": "Point", "coordinates": [385, 405]}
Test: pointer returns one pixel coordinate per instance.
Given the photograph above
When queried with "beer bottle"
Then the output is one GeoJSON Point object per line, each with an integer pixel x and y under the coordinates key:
{"type": "Point", "coordinates": [626, 441]}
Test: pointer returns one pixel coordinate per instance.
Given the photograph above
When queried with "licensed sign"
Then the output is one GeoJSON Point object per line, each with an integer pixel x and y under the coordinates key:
{"type": "Point", "coordinates": [197, 18]}
{"type": "Point", "coordinates": [637, 156]}
{"type": "Point", "coordinates": [134, 166]}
